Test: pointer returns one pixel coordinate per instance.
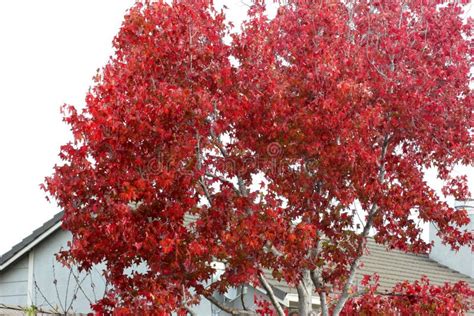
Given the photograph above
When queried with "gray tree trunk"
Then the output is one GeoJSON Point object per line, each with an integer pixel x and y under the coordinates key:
{"type": "Point", "coordinates": [305, 294]}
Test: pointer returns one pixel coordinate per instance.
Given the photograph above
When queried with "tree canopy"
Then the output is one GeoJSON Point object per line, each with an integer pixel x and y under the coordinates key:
{"type": "Point", "coordinates": [277, 148]}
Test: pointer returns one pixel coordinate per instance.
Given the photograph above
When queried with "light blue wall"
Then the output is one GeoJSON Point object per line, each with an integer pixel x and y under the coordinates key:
{"type": "Point", "coordinates": [14, 283]}
{"type": "Point", "coordinates": [51, 281]}
{"type": "Point", "coordinates": [204, 308]}
{"type": "Point", "coordinates": [61, 294]}
{"type": "Point", "coordinates": [461, 261]}
{"type": "Point", "coordinates": [248, 298]}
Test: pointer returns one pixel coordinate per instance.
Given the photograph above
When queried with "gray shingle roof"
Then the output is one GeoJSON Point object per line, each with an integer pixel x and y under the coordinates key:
{"type": "Point", "coordinates": [394, 266]}
{"type": "Point", "coordinates": [30, 238]}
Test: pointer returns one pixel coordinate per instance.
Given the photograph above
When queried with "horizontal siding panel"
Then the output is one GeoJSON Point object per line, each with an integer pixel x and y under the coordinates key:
{"type": "Point", "coordinates": [12, 275]}
{"type": "Point", "coordinates": [12, 295]}
{"type": "Point", "coordinates": [14, 288]}
{"type": "Point", "coordinates": [13, 282]}
{"type": "Point", "coordinates": [13, 300]}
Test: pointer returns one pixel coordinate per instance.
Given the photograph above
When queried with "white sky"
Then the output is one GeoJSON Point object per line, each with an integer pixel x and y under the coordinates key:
{"type": "Point", "coordinates": [49, 52]}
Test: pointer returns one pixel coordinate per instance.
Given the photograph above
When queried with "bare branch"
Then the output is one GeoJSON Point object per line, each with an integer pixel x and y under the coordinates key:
{"type": "Point", "coordinates": [79, 284]}
{"type": "Point", "coordinates": [185, 304]}
{"type": "Point", "coordinates": [271, 248]}
{"type": "Point", "coordinates": [222, 179]}
{"type": "Point", "coordinates": [190, 311]}
{"type": "Point", "coordinates": [201, 181]}
{"type": "Point", "coordinates": [55, 282]}
{"type": "Point", "coordinates": [358, 216]}
{"type": "Point", "coordinates": [43, 296]}
{"type": "Point", "coordinates": [271, 295]}
{"type": "Point", "coordinates": [75, 291]}
{"type": "Point", "coordinates": [67, 291]}
{"type": "Point", "coordinates": [305, 293]}
{"type": "Point", "coordinates": [217, 141]}
{"type": "Point", "coordinates": [316, 278]}
{"type": "Point", "coordinates": [206, 191]}
{"type": "Point", "coordinates": [228, 309]}
{"type": "Point", "coordinates": [242, 301]}
{"type": "Point", "coordinates": [93, 287]}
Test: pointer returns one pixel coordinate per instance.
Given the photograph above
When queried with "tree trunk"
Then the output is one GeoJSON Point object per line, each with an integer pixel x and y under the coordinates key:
{"type": "Point", "coordinates": [305, 294]}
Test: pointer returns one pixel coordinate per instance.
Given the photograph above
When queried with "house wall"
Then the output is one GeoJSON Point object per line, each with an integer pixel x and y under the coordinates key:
{"type": "Point", "coordinates": [203, 308]}
{"type": "Point", "coordinates": [45, 275]}
{"type": "Point", "coordinates": [248, 295]}
{"type": "Point", "coordinates": [14, 283]}
{"type": "Point", "coordinates": [55, 285]}
{"type": "Point", "coordinates": [462, 260]}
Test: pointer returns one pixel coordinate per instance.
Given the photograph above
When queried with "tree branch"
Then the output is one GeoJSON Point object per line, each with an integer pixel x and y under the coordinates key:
{"type": "Point", "coordinates": [185, 305]}
{"type": "Point", "coordinates": [43, 296]}
{"type": "Point", "coordinates": [305, 293]}
{"type": "Point", "coordinates": [271, 294]}
{"type": "Point", "coordinates": [79, 284]}
{"type": "Point", "coordinates": [228, 309]}
{"type": "Point", "coordinates": [315, 275]}
{"type": "Point", "coordinates": [55, 282]}
{"type": "Point", "coordinates": [271, 248]}
{"type": "Point", "coordinates": [316, 278]}
{"type": "Point", "coordinates": [222, 179]}
{"type": "Point", "coordinates": [190, 311]}
{"type": "Point", "coordinates": [242, 301]}
{"type": "Point", "coordinates": [201, 180]}
{"type": "Point", "coordinates": [363, 236]}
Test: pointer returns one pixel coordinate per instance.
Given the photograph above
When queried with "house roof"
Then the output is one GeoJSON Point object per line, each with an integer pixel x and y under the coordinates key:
{"type": "Point", "coordinates": [32, 239]}
{"type": "Point", "coordinates": [392, 266]}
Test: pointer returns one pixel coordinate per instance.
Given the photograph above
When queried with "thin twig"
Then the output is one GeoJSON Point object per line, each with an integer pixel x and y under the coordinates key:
{"type": "Point", "coordinates": [55, 282]}
{"type": "Point", "coordinates": [42, 295]}
{"type": "Point", "coordinates": [67, 291]}
{"type": "Point", "coordinates": [82, 290]}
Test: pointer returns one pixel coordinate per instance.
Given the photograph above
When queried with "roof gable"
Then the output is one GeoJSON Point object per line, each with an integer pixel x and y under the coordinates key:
{"type": "Point", "coordinates": [31, 240]}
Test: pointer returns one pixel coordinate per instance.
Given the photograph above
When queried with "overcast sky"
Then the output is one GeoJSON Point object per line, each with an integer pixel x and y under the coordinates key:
{"type": "Point", "coordinates": [49, 51]}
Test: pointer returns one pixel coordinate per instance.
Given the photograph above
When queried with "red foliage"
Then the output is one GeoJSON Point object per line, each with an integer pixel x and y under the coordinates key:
{"type": "Point", "coordinates": [264, 307]}
{"type": "Point", "coordinates": [418, 298]}
{"type": "Point", "coordinates": [333, 106]}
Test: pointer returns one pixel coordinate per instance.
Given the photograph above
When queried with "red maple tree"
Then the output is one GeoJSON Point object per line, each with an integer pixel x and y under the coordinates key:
{"type": "Point", "coordinates": [262, 151]}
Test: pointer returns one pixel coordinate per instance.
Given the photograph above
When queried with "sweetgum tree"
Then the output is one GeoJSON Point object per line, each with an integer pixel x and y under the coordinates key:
{"type": "Point", "coordinates": [262, 151]}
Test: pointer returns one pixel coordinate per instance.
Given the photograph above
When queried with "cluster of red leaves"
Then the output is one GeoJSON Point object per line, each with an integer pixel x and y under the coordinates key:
{"type": "Point", "coordinates": [264, 307]}
{"type": "Point", "coordinates": [418, 298]}
{"type": "Point", "coordinates": [335, 107]}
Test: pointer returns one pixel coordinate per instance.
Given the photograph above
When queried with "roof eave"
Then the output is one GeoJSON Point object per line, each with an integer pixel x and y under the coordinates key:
{"type": "Point", "coordinates": [11, 258]}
